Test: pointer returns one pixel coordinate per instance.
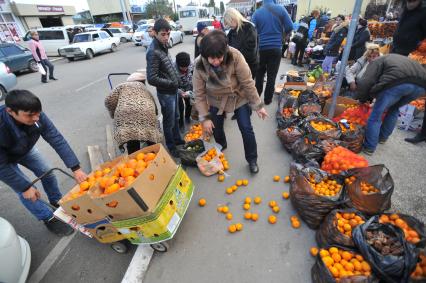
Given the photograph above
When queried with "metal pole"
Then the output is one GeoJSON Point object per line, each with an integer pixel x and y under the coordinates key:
{"type": "Point", "coordinates": [389, 5]}
{"type": "Point", "coordinates": [309, 7]}
{"type": "Point", "coordinates": [349, 39]}
{"type": "Point", "coordinates": [123, 11]}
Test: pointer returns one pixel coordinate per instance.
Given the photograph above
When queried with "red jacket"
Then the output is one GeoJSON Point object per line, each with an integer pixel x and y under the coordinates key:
{"type": "Point", "coordinates": [216, 24]}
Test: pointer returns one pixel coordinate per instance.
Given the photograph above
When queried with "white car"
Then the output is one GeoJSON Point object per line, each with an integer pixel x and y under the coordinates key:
{"type": "Point", "coordinates": [141, 36]}
{"type": "Point", "coordinates": [121, 33]}
{"type": "Point", "coordinates": [87, 44]}
{"type": "Point", "coordinates": [176, 35]}
{"type": "Point", "coordinates": [208, 22]}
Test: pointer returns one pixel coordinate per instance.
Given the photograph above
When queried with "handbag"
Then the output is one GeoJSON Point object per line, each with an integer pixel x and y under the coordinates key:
{"type": "Point", "coordinates": [41, 70]}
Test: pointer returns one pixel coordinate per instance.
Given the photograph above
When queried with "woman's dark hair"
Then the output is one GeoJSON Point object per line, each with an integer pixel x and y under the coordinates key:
{"type": "Point", "coordinates": [214, 44]}
{"type": "Point", "coordinates": [183, 59]}
{"type": "Point", "coordinates": [341, 16]}
{"type": "Point", "coordinates": [161, 24]}
{"type": "Point", "coordinates": [23, 100]}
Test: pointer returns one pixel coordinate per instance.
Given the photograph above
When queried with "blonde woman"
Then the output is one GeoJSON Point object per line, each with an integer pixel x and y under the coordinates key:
{"type": "Point", "coordinates": [357, 70]}
{"type": "Point", "coordinates": [242, 36]}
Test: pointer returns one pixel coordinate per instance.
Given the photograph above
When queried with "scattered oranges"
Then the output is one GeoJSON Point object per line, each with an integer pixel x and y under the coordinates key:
{"type": "Point", "coordinates": [202, 202]}
{"type": "Point", "coordinates": [314, 251]}
{"type": "Point", "coordinates": [257, 200]}
{"type": "Point", "coordinates": [239, 183]}
{"type": "Point", "coordinates": [367, 188]}
{"type": "Point", "coordinates": [239, 226]}
{"type": "Point", "coordinates": [229, 216]}
{"type": "Point", "coordinates": [232, 228]}
{"type": "Point", "coordinates": [272, 203]}
{"type": "Point", "coordinates": [276, 209]}
{"type": "Point", "coordinates": [254, 217]}
{"type": "Point", "coordinates": [276, 178]}
{"type": "Point", "coordinates": [225, 209]}
{"type": "Point", "coordinates": [247, 215]}
{"type": "Point", "coordinates": [295, 223]}
{"type": "Point", "coordinates": [246, 206]}
{"type": "Point", "coordinates": [326, 187]}
{"type": "Point", "coordinates": [420, 271]}
{"type": "Point", "coordinates": [221, 178]}
{"type": "Point", "coordinates": [286, 179]}
{"type": "Point", "coordinates": [229, 191]}
{"type": "Point", "coordinates": [247, 200]}
{"type": "Point", "coordinates": [410, 234]}
{"type": "Point", "coordinates": [272, 219]}
{"type": "Point", "coordinates": [345, 222]}
{"type": "Point", "coordinates": [245, 182]}
{"type": "Point", "coordinates": [286, 195]}
{"type": "Point", "coordinates": [342, 263]}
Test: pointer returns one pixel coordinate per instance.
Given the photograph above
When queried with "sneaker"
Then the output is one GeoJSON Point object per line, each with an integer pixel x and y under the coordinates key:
{"type": "Point", "coordinates": [383, 141]}
{"type": "Point", "coordinates": [416, 139]}
{"type": "Point", "coordinates": [254, 169]}
{"type": "Point", "coordinates": [55, 204]}
{"type": "Point", "coordinates": [367, 151]}
{"type": "Point", "coordinates": [53, 79]}
{"type": "Point", "coordinates": [58, 227]}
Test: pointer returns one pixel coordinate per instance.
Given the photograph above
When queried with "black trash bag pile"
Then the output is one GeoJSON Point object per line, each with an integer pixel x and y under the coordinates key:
{"type": "Point", "coordinates": [391, 257]}
{"type": "Point", "coordinates": [189, 152]}
{"type": "Point", "coordinates": [329, 234]}
{"type": "Point", "coordinates": [371, 203]}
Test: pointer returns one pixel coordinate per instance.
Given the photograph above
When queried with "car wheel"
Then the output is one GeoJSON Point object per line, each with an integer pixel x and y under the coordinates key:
{"type": "Point", "coordinates": [89, 54]}
{"type": "Point", "coordinates": [70, 59]}
{"type": "Point", "coordinates": [171, 43]}
{"type": "Point", "coordinates": [123, 40]}
{"type": "Point", "coordinates": [32, 65]}
{"type": "Point", "coordinates": [2, 93]}
{"type": "Point", "coordinates": [181, 38]}
{"type": "Point", "coordinates": [113, 47]}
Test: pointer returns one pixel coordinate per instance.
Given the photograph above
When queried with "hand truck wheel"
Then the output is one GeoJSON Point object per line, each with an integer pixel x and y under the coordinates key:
{"type": "Point", "coordinates": [160, 247]}
{"type": "Point", "coordinates": [119, 247]}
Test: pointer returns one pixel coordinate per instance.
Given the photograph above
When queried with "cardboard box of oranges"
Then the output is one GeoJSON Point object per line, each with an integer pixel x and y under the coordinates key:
{"type": "Point", "coordinates": [139, 187]}
{"type": "Point", "coordinates": [163, 222]}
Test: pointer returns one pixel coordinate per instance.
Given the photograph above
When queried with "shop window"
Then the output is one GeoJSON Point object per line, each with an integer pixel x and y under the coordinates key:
{"type": "Point", "coordinates": [7, 17]}
{"type": "Point", "coordinates": [11, 50]}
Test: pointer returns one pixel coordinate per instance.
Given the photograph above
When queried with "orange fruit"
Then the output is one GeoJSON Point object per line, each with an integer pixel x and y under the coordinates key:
{"type": "Point", "coordinates": [246, 206]}
{"type": "Point", "coordinates": [149, 156]}
{"type": "Point", "coordinates": [247, 215]}
{"type": "Point", "coordinates": [335, 272]}
{"type": "Point", "coordinates": [106, 171]}
{"type": "Point", "coordinates": [295, 224]}
{"type": "Point", "coordinates": [257, 200]}
{"type": "Point", "coordinates": [239, 183]}
{"type": "Point", "coordinates": [347, 255]}
{"type": "Point", "coordinates": [254, 216]}
{"type": "Point", "coordinates": [202, 202]}
{"type": "Point", "coordinates": [140, 156]}
{"type": "Point", "coordinates": [225, 209]}
{"type": "Point", "coordinates": [294, 218]}
{"type": "Point", "coordinates": [84, 186]}
{"type": "Point", "coordinates": [247, 200]}
{"type": "Point", "coordinates": [239, 226]}
{"type": "Point", "coordinates": [324, 253]}
{"type": "Point", "coordinates": [112, 189]}
{"type": "Point", "coordinates": [132, 163]}
{"type": "Point", "coordinates": [286, 195]}
{"type": "Point", "coordinates": [276, 178]}
{"type": "Point", "coordinates": [220, 209]}
{"type": "Point", "coordinates": [328, 261]}
{"type": "Point", "coordinates": [314, 251]}
{"type": "Point", "coordinates": [229, 216]}
{"type": "Point", "coordinates": [232, 228]}
{"type": "Point", "coordinates": [245, 182]}
{"type": "Point", "coordinates": [272, 219]}
{"type": "Point", "coordinates": [234, 188]}
{"type": "Point", "coordinates": [336, 257]}
{"type": "Point", "coordinates": [349, 266]}
{"type": "Point", "coordinates": [221, 178]}
{"type": "Point", "coordinates": [272, 203]}
{"type": "Point", "coordinates": [287, 179]}
{"type": "Point", "coordinates": [276, 209]}
{"type": "Point", "coordinates": [98, 174]}
{"type": "Point", "coordinates": [365, 266]}
{"type": "Point", "coordinates": [229, 191]}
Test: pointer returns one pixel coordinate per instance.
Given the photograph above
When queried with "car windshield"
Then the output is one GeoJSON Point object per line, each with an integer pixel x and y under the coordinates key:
{"type": "Point", "coordinates": [188, 14]}
{"type": "Point", "coordinates": [207, 23]}
{"type": "Point", "coordinates": [81, 38]}
{"type": "Point", "coordinates": [115, 30]}
{"type": "Point", "coordinates": [142, 28]}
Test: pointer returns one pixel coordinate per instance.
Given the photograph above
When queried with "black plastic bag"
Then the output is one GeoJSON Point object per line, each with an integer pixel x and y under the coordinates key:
{"type": "Point", "coordinates": [308, 96]}
{"type": "Point", "coordinates": [334, 133]}
{"type": "Point", "coordinates": [354, 139]}
{"type": "Point", "coordinates": [310, 108]}
{"type": "Point", "coordinates": [389, 268]}
{"type": "Point", "coordinates": [374, 203]}
{"type": "Point", "coordinates": [307, 169]}
{"type": "Point", "coordinates": [188, 152]}
{"type": "Point", "coordinates": [414, 224]}
{"type": "Point", "coordinates": [311, 207]}
{"type": "Point", "coordinates": [289, 135]}
{"type": "Point", "coordinates": [328, 233]}
{"type": "Point", "coordinates": [307, 148]}
{"type": "Point", "coordinates": [321, 274]}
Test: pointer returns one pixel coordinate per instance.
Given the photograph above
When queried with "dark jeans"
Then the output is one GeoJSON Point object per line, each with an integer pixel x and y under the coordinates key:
{"type": "Point", "coordinates": [135, 145]}
{"type": "Point", "coordinates": [423, 130]}
{"type": "Point", "coordinates": [298, 54]}
{"type": "Point", "coordinates": [35, 162]}
{"type": "Point", "coordinates": [47, 65]}
{"type": "Point", "coordinates": [269, 63]}
{"type": "Point", "coordinates": [253, 70]}
{"type": "Point", "coordinates": [185, 108]}
{"type": "Point", "coordinates": [170, 111]}
{"type": "Point", "coordinates": [244, 124]}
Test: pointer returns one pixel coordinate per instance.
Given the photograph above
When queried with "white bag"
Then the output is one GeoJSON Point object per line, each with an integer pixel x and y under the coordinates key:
{"type": "Point", "coordinates": [41, 70]}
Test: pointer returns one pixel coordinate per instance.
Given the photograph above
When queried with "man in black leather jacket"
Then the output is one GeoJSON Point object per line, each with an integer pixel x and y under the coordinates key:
{"type": "Point", "coordinates": [162, 74]}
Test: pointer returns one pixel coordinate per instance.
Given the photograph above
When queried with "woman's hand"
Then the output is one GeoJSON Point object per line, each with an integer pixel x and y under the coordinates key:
{"type": "Point", "coordinates": [352, 86]}
{"type": "Point", "coordinates": [262, 113]}
{"type": "Point", "coordinates": [208, 127]}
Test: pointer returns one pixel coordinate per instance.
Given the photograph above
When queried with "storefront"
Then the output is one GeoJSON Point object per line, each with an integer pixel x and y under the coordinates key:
{"type": "Point", "coordinates": [11, 29]}
{"type": "Point", "coordinates": [35, 16]}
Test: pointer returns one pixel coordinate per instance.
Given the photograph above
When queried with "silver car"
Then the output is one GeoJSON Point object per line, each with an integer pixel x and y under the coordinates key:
{"type": "Point", "coordinates": [7, 80]}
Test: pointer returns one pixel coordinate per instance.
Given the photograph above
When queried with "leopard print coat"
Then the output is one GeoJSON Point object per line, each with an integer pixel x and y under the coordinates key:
{"type": "Point", "coordinates": [133, 109]}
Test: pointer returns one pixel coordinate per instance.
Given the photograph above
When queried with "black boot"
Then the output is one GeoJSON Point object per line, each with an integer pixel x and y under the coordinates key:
{"type": "Point", "coordinates": [58, 227]}
{"type": "Point", "coordinates": [418, 138]}
{"type": "Point", "coordinates": [254, 169]}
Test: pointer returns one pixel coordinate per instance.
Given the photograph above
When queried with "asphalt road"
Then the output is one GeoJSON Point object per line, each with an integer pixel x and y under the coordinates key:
{"type": "Point", "coordinates": [202, 250]}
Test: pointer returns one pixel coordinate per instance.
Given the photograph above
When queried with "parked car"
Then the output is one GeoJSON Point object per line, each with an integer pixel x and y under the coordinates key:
{"type": "Point", "coordinates": [208, 22]}
{"type": "Point", "coordinates": [121, 33]}
{"type": "Point", "coordinates": [17, 58]}
{"type": "Point", "coordinates": [140, 36]}
{"type": "Point", "coordinates": [7, 82]}
{"type": "Point", "coordinates": [15, 254]}
{"type": "Point", "coordinates": [87, 44]}
{"type": "Point", "coordinates": [176, 35]}
{"type": "Point", "coordinates": [52, 39]}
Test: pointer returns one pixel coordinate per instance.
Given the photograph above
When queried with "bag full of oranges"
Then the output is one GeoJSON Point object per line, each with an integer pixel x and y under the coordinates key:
{"type": "Point", "coordinates": [323, 127]}
{"type": "Point", "coordinates": [414, 229]}
{"type": "Point", "coordinates": [212, 160]}
{"type": "Point", "coordinates": [289, 135]}
{"type": "Point", "coordinates": [357, 115]}
{"type": "Point", "coordinates": [194, 133]}
{"type": "Point", "coordinates": [314, 198]}
{"type": "Point", "coordinates": [340, 264]}
{"type": "Point", "coordinates": [352, 135]}
{"type": "Point", "coordinates": [369, 189]}
{"type": "Point", "coordinates": [337, 228]}
{"type": "Point", "coordinates": [391, 257]}
{"type": "Point", "coordinates": [342, 159]}
{"type": "Point", "coordinates": [419, 274]}
{"type": "Point", "coordinates": [306, 148]}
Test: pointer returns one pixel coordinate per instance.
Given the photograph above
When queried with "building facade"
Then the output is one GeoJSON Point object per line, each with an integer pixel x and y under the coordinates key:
{"type": "Point", "coordinates": [11, 28]}
{"type": "Point", "coordinates": [336, 7]}
{"type": "Point", "coordinates": [106, 11]}
{"type": "Point", "coordinates": [244, 6]}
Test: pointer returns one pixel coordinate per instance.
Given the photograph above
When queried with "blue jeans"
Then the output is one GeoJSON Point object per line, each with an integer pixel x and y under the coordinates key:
{"type": "Point", "coordinates": [391, 100]}
{"type": "Point", "coordinates": [36, 163]}
{"type": "Point", "coordinates": [244, 124]}
{"type": "Point", "coordinates": [170, 111]}
{"type": "Point", "coordinates": [327, 64]}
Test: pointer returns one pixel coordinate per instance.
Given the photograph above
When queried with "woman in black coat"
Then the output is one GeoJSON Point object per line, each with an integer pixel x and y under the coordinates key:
{"type": "Point", "coordinates": [243, 36]}
{"type": "Point", "coordinates": [361, 37]}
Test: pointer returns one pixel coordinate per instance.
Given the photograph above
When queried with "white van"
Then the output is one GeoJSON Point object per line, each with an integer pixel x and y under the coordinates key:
{"type": "Point", "coordinates": [189, 15]}
{"type": "Point", "coordinates": [52, 39]}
